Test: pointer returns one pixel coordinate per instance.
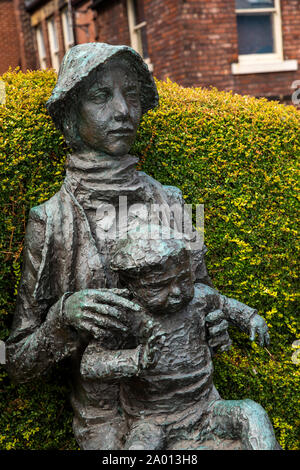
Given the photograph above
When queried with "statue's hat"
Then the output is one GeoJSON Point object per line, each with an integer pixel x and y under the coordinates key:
{"type": "Point", "coordinates": [83, 59]}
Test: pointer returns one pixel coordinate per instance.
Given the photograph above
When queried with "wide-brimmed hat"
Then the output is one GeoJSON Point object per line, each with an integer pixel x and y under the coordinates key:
{"type": "Point", "coordinates": [83, 59]}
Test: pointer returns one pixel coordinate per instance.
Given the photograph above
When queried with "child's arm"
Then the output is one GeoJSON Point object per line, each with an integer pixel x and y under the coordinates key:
{"type": "Point", "coordinates": [98, 362]}
{"type": "Point", "coordinates": [245, 318]}
{"type": "Point", "coordinates": [221, 310]}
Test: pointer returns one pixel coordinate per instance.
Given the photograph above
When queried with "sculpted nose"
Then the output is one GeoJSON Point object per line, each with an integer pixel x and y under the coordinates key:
{"type": "Point", "coordinates": [121, 112]}
{"type": "Point", "coordinates": [175, 292]}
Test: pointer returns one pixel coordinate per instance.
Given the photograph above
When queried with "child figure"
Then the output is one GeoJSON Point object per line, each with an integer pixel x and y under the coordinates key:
{"type": "Point", "coordinates": [167, 391]}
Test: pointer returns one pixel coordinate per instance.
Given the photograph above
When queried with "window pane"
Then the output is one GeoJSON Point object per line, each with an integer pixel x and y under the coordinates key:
{"type": "Point", "coordinates": [241, 4]}
{"type": "Point", "coordinates": [41, 47]}
{"type": "Point", "coordinates": [53, 34]}
{"type": "Point", "coordinates": [67, 29]}
{"type": "Point", "coordinates": [139, 18]}
{"type": "Point", "coordinates": [255, 34]}
{"type": "Point", "coordinates": [53, 42]}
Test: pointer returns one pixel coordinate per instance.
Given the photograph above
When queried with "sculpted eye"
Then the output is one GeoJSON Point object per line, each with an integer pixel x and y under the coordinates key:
{"type": "Point", "coordinates": [160, 286]}
{"type": "Point", "coordinates": [100, 95]}
{"type": "Point", "coordinates": [103, 95]}
{"type": "Point", "coordinates": [132, 93]}
{"type": "Point", "coordinates": [152, 287]}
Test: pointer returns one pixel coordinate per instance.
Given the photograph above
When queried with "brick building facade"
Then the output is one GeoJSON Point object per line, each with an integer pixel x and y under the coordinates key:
{"type": "Point", "coordinates": [10, 50]}
{"type": "Point", "coordinates": [16, 37]}
{"type": "Point", "coordinates": [248, 46]}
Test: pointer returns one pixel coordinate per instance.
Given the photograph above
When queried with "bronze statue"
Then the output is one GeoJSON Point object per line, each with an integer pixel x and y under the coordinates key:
{"type": "Point", "coordinates": [167, 391]}
{"type": "Point", "coordinates": [71, 298]}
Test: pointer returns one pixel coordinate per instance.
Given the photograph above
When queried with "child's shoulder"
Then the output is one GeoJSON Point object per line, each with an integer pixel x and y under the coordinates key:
{"type": "Point", "coordinates": [203, 291]}
{"type": "Point", "coordinates": [205, 298]}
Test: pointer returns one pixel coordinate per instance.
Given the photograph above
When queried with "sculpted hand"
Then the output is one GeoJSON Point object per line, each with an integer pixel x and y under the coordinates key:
{"type": "Point", "coordinates": [151, 350]}
{"type": "Point", "coordinates": [217, 326]}
{"type": "Point", "coordinates": [259, 326]}
{"type": "Point", "coordinates": [94, 311]}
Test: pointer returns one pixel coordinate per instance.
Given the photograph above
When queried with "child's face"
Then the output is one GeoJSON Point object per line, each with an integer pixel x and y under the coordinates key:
{"type": "Point", "coordinates": [166, 289]}
{"type": "Point", "coordinates": [110, 110]}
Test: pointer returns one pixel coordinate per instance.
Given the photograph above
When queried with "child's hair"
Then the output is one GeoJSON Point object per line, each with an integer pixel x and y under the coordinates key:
{"type": "Point", "coordinates": [146, 249]}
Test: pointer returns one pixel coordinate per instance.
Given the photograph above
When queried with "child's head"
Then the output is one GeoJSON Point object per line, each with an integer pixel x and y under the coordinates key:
{"type": "Point", "coordinates": [157, 271]}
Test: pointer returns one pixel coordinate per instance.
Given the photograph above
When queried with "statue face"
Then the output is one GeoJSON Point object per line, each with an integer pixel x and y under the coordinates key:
{"type": "Point", "coordinates": [110, 110]}
{"type": "Point", "coordinates": [167, 289]}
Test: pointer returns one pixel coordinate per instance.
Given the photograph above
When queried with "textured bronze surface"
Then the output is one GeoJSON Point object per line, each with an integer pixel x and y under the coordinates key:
{"type": "Point", "coordinates": [137, 318]}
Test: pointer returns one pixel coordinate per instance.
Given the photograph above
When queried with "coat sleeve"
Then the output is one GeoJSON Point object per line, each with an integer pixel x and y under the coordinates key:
{"type": "Point", "coordinates": [39, 337]}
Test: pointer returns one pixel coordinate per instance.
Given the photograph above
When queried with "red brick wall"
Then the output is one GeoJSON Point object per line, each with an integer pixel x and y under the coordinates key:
{"type": "Point", "coordinates": [25, 35]}
{"type": "Point", "coordinates": [85, 16]}
{"type": "Point", "coordinates": [112, 23]}
{"type": "Point", "coordinates": [209, 42]}
{"type": "Point", "coordinates": [9, 40]}
{"type": "Point", "coordinates": [209, 37]}
{"type": "Point", "coordinates": [193, 42]}
{"type": "Point", "coordinates": [165, 38]}
{"type": "Point", "coordinates": [162, 32]}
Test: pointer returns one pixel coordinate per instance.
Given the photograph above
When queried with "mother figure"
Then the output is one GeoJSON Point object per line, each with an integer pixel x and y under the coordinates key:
{"type": "Point", "coordinates": [68, 294]}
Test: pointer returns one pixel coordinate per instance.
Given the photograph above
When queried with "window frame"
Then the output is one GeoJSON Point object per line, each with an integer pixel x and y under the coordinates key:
{"type": "Point", "coordinates": [68, 34]}
{"type": "Point", "coordinates": [270, 62]}
{"type": "Point", "coordinates": [53, 42]}
{"type": "Point", "coordinates": [135, 32]}
{"type": "Point", "coordinates": [277, 55]}
{"type": "Point", "coordinates": [41, 46]}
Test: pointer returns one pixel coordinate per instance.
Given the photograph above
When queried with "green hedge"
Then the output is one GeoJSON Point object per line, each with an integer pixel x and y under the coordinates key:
{"type": "Point", "coordinates": [237, 155]}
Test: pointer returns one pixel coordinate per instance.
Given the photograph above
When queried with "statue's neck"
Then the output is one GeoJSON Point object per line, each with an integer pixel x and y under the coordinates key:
{"type": "Point", "coordinates": [101, 168]}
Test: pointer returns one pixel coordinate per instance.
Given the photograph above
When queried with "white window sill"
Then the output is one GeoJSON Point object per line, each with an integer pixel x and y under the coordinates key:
{"type": "Point", "coordinates": [265, 67]}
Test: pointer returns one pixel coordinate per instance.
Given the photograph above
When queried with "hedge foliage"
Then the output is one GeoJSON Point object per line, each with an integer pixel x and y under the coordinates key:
{"type": "Point", "coordinates": [237, 155]}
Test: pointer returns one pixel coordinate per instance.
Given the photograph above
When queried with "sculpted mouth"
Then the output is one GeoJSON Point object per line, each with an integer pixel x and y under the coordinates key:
{"type": "Point", "coordinates": [122, 131]}
{"type": "Point", "coordinates": [174, 303]}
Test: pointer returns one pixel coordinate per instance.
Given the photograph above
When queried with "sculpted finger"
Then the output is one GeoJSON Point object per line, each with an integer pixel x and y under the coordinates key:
{"type": "Point", "coordinates": [252, 333]}
{"type": "Point", "coordinates": [214, 317]}
{"type": "Point", "coordinates": [116, 300]}
{"type": "Point", "coordinates": [122, 292]}
{"type": "Point", "coordinates": [222, 342]}
{"type": "Point", "coordinates": [218, 329]}
{"type": "Point", "coordinates": [261, 336]}
{"type": "Point", "coordinates": [225, 347]}
{"type": "Point", "coordinates": [104, 322]}
{"type": "Point", "coordinates": [107, 310]}
{"type": "Point", "coordinates": [88, 327]}
{"type": "Point", "coordinates": [264, 337]}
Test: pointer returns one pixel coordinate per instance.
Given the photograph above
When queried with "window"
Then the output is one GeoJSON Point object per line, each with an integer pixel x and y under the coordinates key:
{"type": "Point", "coordinates": [137, 30]}
{"type": "Point", "coordinates": [41, 47]}
{"type": "Point", "coordinates": [67, 25]}
{"type": "Point", "coordinates": [259, 28]}
{"type": "Point", "coordinates": [53, 43]}
{"type": "Point", "coordinates": [260, 37]}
